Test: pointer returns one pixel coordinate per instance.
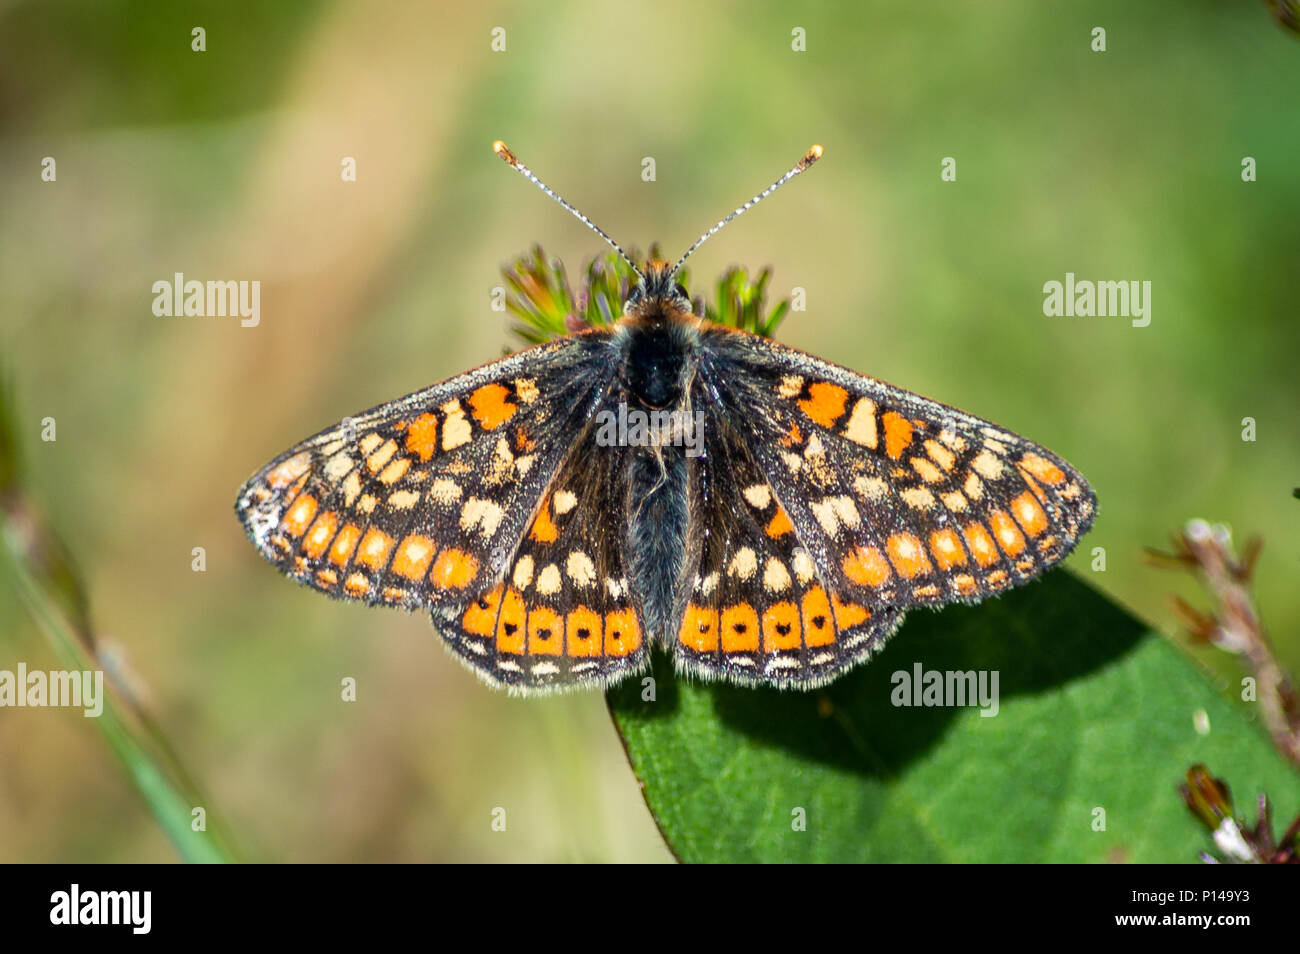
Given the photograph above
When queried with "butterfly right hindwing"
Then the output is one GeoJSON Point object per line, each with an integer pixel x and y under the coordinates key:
{"type": "Point", "coordinates": [759, 610]}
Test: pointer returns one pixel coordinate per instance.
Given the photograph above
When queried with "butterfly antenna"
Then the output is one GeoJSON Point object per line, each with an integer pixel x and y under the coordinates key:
{"type": "Point", "coordinates": [811, 156]}
{"type": "Point", "coordinates": [502, 150]}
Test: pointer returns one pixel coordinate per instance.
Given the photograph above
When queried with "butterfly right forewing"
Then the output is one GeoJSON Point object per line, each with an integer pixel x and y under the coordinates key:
{"type": "Point", "coordinates": [902, 501]}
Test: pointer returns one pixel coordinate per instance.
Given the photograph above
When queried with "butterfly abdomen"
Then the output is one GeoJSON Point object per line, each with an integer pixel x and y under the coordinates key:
{"type": "Point", "coordinates": [656, 531]}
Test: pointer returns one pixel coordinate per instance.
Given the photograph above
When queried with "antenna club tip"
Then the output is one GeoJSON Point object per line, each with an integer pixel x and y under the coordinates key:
{"type": "Point", "coordinates": [809, 157]}
{"type": "Point", "coordinates": [502, 150]}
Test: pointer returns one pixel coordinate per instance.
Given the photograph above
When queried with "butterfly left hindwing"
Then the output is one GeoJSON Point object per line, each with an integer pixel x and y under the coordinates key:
{"type": "Point", "coordinates": [563, 616]}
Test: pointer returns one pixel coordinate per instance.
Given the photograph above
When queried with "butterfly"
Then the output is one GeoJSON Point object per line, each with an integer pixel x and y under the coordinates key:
{"type": "Point", "coordinates": [767, 517]}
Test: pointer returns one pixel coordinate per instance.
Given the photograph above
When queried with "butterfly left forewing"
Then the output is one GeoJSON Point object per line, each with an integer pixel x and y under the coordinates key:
{"type": "Point", "coordinates": [900, 500]}
{"type": "Point", "coordinates": [419, 501]}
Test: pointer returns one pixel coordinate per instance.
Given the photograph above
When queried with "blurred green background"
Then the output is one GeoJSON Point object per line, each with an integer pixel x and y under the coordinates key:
{"type": "Point", "coordinates": [226, 165]}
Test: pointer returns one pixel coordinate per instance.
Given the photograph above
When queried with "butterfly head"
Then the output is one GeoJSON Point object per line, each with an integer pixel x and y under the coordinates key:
{"type": "Point", "coordinates": [657, 293]}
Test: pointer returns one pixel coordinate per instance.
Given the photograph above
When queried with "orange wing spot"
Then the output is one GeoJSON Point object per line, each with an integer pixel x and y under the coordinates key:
{"type": "Point", "coordinates": [481, 615]}
{"type": "Point", "coordinates": [947, 550]}
{"type": "Point", "coordinates": [326, 577]}
{"type": "Point", "coordinates": [1043, 469]}
{"type": "Point", "coordinates": [356, 584]}
{"type": "Point", "coordinates": [422, 436]}
{"type": "Point", "coordinates": [818, 628]}
{"type": "Point", "coordinates": [825, 402]}
{"type": "Point", "coordinates": [544, 531]}
{"type": "Point", "coordinates": [454, 569]}
{"type": "Point", "coordinates": [781, 628]}
{"type": "Point", "coordinates": [320, 534]}
{"type": "Point", "coordinates": [395, 594]}
{"type": "Point", "coordinates": [299, 515]}
{"type": "Point", "coordinates": [583, 632]}
{"type": "Point", "coordinates": [848, 615]}
{"type": "Point", "coordinates": [344, 544]}
{"type": "Point", "coordinates": [511, 622]}
{"type": "Point", "coordinates": [981, 544]}
{"type": "Point", "coordinates": [1029, 514]}
{"type": "Point", "coordinates": [622, 633]}
{"type": "Point", "coordinates": [414, 556]}
{"type": "Point", "coordinates": [545, 632]}
{"type": "Point", "coordinates": [898, 433]}
{"type": "Point", "coordinates": [739, 629]}
{"type": "Point", "coordinates": [1009, 536]}
{"type": "Point", "coordinates": [866, 566]}
{"type": "Point", "coordinates": [965, 583]}
{"type": "Point", "coordinates": [374, 549]}
{"type": "Point", "coordinates": [395, 471]}
{"type": "Point", "coordinates": [491, 407]}
{"type": "Point", "coordinates": [780, 524]}
{"type": "Point", "coordinates": [285, 472]}
{"type": "Point", "coordinates": [699, 629]}
{"type": "Point", "coordinates": [792, 437]}
{"type": "Point", "coordinates": [523, 443]}
{"type": "Point", "coordinates": [908, 555]}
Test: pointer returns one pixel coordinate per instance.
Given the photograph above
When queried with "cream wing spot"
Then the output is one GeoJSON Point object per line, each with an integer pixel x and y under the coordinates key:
{"type": "Point", "coordinates": [376, 461]}
{"type": "Point", "coordinates": [804, 568]}
{"type": "Point", "coordinates": [444, 491]}
{"type": "Point", "coordinates": [403, 499]}
{"type": "Point", "coordinates": [758, 496]}
{"type": "Point", "coordinates": [351, 488]}
{"type": "Point", "coordinates": [776, 578]}
{"type": "Point", "coordinates": [456, 429]}
{"type": "Point", "coordinates": [955, 501]}
{"type": "Point", "coordinates": [987, 465]}
{"type": "Point", "coordinates": [917, 497]}
{"type": "Point", "coordinates": [485, 514]}
{"type": "Point", "coordinates": [339, 465]}
{"type": "Point", "coordinates": [847, 511]}
{"type": "Point", "coordinates": [940, 454]}
{"type": "Point", "coordinates": [523, 574]}
{"type": "Point", "coordinates": [861, 426]}
{"type": "Point", "coordinates": [580, 568]}
{"type": "Point", "coordinates": [526, 389]}
{"type": "Point", "coordinates": [744, 564]}
{"type": "Point", "coordinates": [870, 488]}
{"type": "Point", "coordinates": [791, 386]}
{"type": "Point", "coordinates": [548, 581]}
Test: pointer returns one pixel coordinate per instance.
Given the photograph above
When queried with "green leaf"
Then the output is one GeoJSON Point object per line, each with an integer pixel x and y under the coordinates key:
{"type": "Point", "coordinates": [1096, 712]}
{"type": "Point", "coordinates": [539, 295]}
